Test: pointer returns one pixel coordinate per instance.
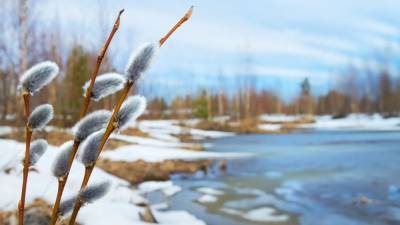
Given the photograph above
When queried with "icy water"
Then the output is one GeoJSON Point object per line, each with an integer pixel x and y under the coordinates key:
{"type": "Point", "coordinates": [315, 178]}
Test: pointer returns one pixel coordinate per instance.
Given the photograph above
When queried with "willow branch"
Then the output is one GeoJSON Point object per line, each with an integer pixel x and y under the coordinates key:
{"type": "Point", "coordinates": [85, 106]}
{"type": "Point", "coordinates": [100, 57]}
{"type": "Point", "coordinates": [28, 137]}
{"type": "Point", "coordinates": [111, 126]}
{"type": "Point", "coordinates": [187, 15]}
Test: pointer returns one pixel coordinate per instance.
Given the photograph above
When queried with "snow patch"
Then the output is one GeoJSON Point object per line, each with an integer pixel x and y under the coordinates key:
{"type": "Point", "coordinates": [279, 118]}
{"type": "Point", "coordinates": [131, 153]}
{"type": "Point", "coordinates": [263, 214]}
{"type": "Point", "coordinates": [355, 122]}
{"type": "Point", "coordinates": [209, 191]}
{"type": "Point", "coordinates": [120, 202]}
{"type": "Point", "coordinates": [166, 187]}
{"type": "Point", "coordinates": [207, 199]}
{"type": "Point", "coordinates": [270, 127]}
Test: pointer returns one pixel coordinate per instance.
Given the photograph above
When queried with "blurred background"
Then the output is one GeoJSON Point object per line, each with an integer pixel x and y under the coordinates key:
{"type": "Point", "coordinates": [235, 57]}
{"type": "Point", "coordinates": [260, 112]}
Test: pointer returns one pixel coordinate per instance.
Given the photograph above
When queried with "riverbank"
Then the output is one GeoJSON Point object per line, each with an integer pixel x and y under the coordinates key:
{"type": "Point", "coordinates": [155, 147]}
{"type": "Point", "coordinates": [142, 160]}
{"type": "Point", "coordinates": [282, 124]}
{"type": "Point", "coordinates": [345, 177]}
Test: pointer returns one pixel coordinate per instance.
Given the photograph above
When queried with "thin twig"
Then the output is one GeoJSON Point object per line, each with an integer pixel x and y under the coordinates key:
{"type": "Point", "coordinates": [28, 137]}
{"type": "Point", "coordinates": [100, 57]}
{"type": "Point", "coordinates": [111, 126]}
{"type": "Point", "coordinates": [187, 15]}
{"type": "Point", "coordinates": [85, 107]}
{"type": "Point", "coordinates": [61, 184]}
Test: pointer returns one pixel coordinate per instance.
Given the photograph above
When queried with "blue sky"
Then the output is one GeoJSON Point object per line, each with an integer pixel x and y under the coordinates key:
{"type": "Point", "coordinates": [278, 42]}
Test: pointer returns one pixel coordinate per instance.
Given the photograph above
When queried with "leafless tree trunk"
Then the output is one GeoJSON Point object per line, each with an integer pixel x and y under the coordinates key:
{"type": "Point", "coordinates": [23, 24]}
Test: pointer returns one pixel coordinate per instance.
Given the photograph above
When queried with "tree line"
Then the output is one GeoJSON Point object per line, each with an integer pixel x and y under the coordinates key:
{"type": "Point", "coordinates": [27, 41]}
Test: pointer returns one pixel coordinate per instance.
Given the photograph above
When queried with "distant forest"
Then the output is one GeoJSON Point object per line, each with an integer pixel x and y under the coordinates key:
{"type": "Point", "coordinates": [26, 42]}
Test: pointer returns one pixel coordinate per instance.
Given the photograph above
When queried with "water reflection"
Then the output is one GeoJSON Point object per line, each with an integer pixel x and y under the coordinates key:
{"type": "Point", "coordinates": [325, 178]}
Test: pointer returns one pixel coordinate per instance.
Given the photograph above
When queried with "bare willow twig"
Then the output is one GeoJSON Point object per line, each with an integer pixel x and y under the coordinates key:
{"type": "Point", "coordinates": [28, 137]}
{"type": "Point", "coordinates": [112, 124]}
{"type": "Point", "coordinates": [85, 107]}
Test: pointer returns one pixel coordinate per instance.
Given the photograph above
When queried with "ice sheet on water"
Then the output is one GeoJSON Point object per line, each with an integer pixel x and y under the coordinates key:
{"type": "Point", "coordinates": [210, 191]}
{"type": "Point", "coordinates": [262, 214]}
{"type": "Point", "coordinates": [207, 198]}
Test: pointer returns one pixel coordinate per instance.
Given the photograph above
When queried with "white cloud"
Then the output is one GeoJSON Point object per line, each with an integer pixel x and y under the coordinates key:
{"type": "Point", "coordinates": [378, 27]}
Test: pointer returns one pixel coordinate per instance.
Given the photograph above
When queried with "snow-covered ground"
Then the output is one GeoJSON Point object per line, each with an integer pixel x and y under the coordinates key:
{"type": "Point", "coordinates": [121, 201]}
{"type": "Point", "coordinates": [5, 130]}
{"type": "Point", "coordinates": [279, 118]}
{"type": "Point", "coordinates": [165, 129]}
{"type": "Point", "coordinates": [355, 122]}
{"type": "Point", "coordinates": [351, 122]}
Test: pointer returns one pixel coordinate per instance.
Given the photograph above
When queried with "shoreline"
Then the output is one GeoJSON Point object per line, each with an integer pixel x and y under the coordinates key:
{"type": "Point", "coordinates": [152, 156]}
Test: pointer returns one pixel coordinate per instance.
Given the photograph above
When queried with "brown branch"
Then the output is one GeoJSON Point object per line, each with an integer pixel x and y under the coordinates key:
{"type": "Point", "coordinates": [85, 107]}
{"type": "Point", "coordinates": [26, 97]}
{"type": "Point", "coordinates": [78, 205]}
{"type": "Point", "coordinates": [100, 57]}
{"type": "Point", "coordinates": [28, 137]}
{"type": "Point", "coordinates": [60, 190]}
{"type": "Point", "coordinates": [61, 184]}
{"type": "Point", "coordinates": [187, 15]}
{"type": "Point", "coordinates": [111, 126]}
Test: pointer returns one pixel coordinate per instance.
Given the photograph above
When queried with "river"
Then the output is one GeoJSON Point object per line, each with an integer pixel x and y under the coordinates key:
{"type": "Point", "coordinates": [307, 178]}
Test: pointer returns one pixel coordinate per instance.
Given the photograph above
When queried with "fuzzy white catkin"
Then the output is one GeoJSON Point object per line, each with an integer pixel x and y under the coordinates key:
{"type": "Point", "coordinates": [60, 165]}
{"type": "Point", "coordinates": [105, 85]}
{"type": "Point", "coordinates": [38, 76]}
{"type": "Point", "coordinates": [40, 116]}
{"type": "Point", "coordinates": [94, 192]}
{"type": "Point", "coordinates": [66, 206]}
{"type": "Point", "coordinates": [38, 147]}
{"type": "Point", "coordinates": [140, 61]}
{"type": "Point", "coordinates": [90, 147]}
{"type": "Point", "coordinates": [131, 109]}
{"type": "Point", "coordinates": [92, 122]}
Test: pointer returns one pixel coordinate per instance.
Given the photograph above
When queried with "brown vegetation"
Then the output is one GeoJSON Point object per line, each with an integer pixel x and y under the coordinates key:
{"type": "Point", "coordinates": [38, 212]}
{"type": "Point", "coordinates": [140, 171]}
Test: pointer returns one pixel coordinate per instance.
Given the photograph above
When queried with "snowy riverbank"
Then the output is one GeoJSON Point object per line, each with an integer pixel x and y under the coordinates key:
{"type": "Point", "coordinates": [122, 203]}
{"type": "Point", "coordinates": [328, 122]}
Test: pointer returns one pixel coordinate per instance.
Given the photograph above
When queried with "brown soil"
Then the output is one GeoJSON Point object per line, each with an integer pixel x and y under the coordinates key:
{"type": "Point", "coordinates": [249, 126]}
{"type": "Point", "coordinates": [140, 171]}
{"type": "Point", "coordinates": [37, 213]}
{"type": "Point", "coordinates": [135, 132]}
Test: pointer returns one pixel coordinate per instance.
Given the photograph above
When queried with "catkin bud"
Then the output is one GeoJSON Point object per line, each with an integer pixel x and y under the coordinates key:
{"type": "Point", "coordinates": [38, 76]}
{"type": "Point", "coordinates": [92, 122]}
{"type": "Point", "coordinates": [140, 61]}
{"type": "Point", "coordinates": [40, 116]}
{"type": "Point", "coordinates": [60, 165]}
{"type": "Point", "coordinates": [105, 85]}
{"type": "Point", "coordinates": [130, 110]}
{"type": "Point", "coordinates": [38, 147]}
{"type": "Point", "coordinates": [94, 192]}
{"type": "Point", "coordinates": [90, 147]}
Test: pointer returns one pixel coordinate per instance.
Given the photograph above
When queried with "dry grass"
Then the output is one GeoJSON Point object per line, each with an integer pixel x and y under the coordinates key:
{"type": "Point", "coordinates": [135, 132]}
{"type": "Point", "coordinates": [140, 171]}
{"type": "Point", "coordinates": [245, 126]}
{"type": "Point", "coordinates": [53, 138]}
